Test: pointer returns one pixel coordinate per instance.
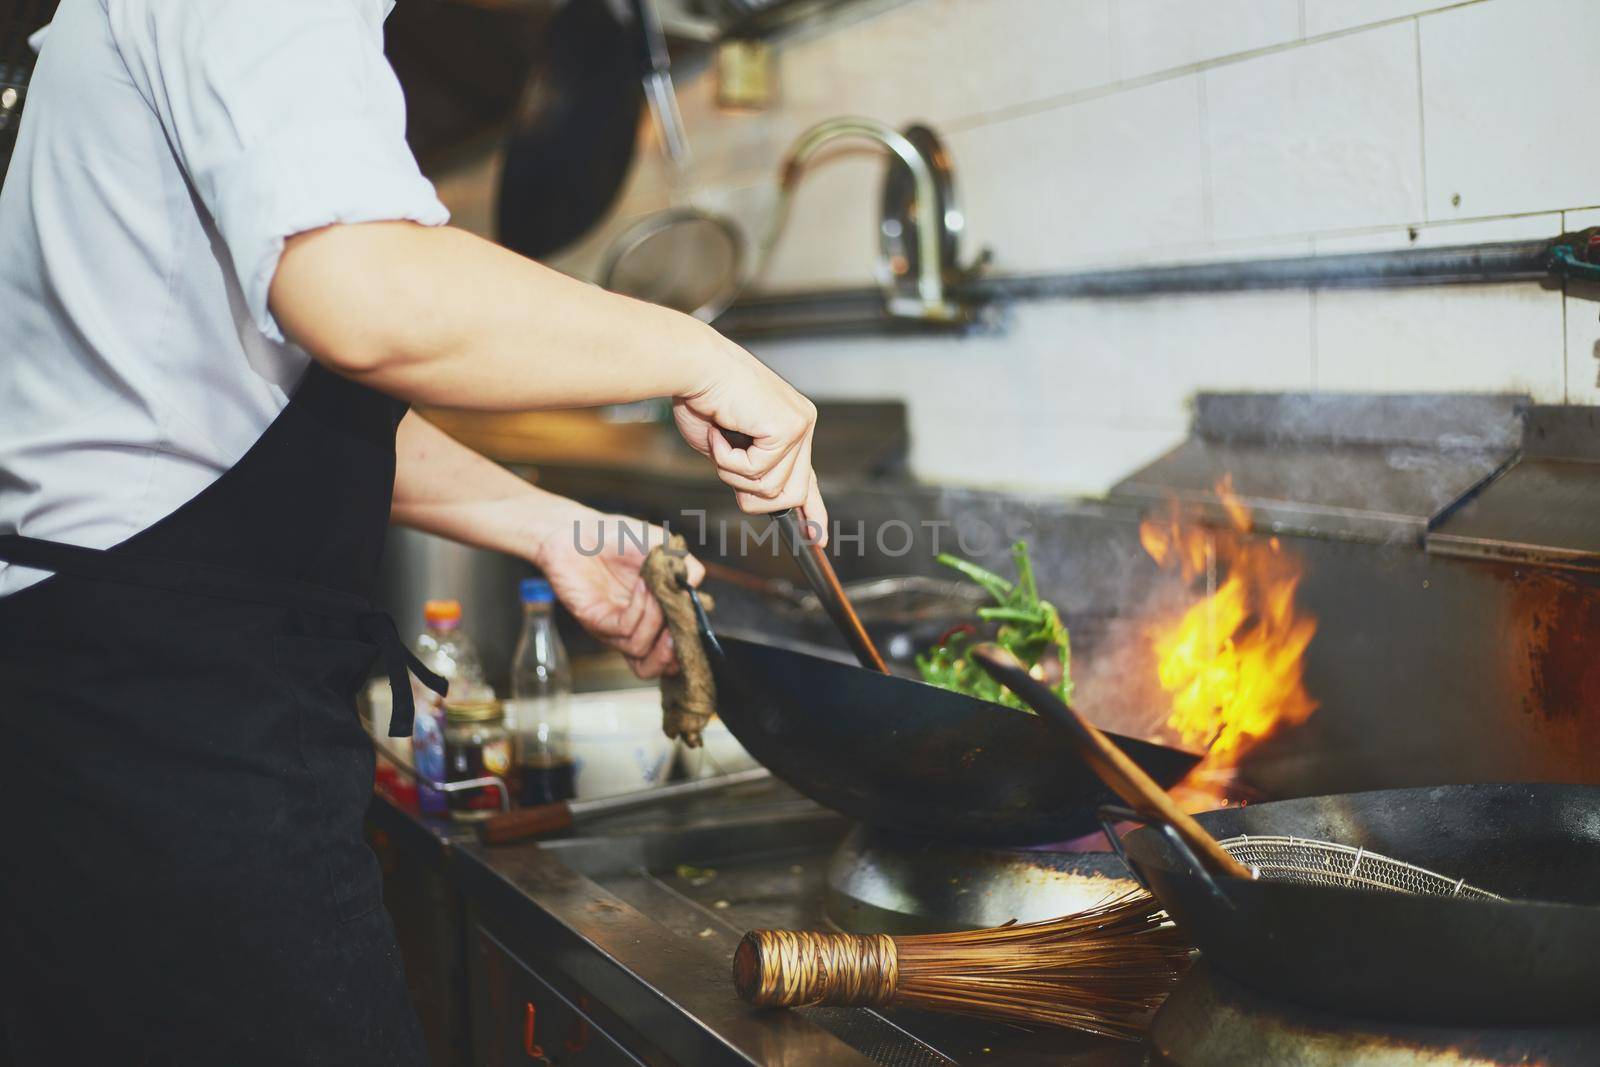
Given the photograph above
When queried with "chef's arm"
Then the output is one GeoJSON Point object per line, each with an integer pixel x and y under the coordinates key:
{"type": "Point", "coordinates": [435, 315]}
{"type": "Point", "coordinates": [443, 487]}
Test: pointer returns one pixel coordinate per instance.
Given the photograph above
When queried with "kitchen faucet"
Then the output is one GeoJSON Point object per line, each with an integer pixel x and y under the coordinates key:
{"type": "Point", "coordinates": [931, 301]}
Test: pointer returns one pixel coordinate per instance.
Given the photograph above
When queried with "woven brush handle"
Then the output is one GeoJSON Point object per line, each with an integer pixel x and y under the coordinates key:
{"type": "Point", "coordinates": [689, 697]}
{"type": "Point", "coordinates": [792, 969]}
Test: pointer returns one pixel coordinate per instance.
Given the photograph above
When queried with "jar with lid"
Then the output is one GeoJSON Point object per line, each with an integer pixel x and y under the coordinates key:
{"type": "Point", "coordinates": [476, 745]}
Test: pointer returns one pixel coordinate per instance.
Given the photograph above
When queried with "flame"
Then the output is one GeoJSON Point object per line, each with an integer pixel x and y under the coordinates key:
{"type": "Point", "coordinates": [1232, 660]}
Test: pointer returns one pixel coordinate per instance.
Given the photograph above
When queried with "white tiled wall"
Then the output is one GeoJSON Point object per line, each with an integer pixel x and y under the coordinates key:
{"type": "Point", "coordinates": [1322, 137]}
{"type": "Point", "coordinates": [1504, 88]}
{"type": "Point", "coordinates": [1055, 210]}
{"type": "Point", "coordinates": [1157, 35]}
{"type": "Point", "coordinates": [1092, 132]}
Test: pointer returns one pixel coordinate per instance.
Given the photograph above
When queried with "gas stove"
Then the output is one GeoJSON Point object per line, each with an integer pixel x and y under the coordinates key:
{"type": "Point", "coordinates": [765, 858]}
{"type": "Point", "coordinates": [639, 916]}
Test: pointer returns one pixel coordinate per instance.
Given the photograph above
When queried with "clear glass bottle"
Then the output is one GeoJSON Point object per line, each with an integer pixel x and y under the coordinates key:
{"type": "Point", "coordinates": [447, 650]}
{"type": "Point", "coordinates": [541, 683]}
{"type": "Point", "coordinates": [476, 745]}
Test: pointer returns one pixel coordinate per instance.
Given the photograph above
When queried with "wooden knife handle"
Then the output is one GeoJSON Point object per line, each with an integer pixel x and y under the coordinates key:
{"type": "Point", "coordinates": [524, 823]}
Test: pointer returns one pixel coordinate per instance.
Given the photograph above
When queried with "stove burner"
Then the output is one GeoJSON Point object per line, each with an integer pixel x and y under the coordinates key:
{"type": "Point", "coordinates": [1212, 1021]}
{"type": "Point", "coordinates": [883, 882]}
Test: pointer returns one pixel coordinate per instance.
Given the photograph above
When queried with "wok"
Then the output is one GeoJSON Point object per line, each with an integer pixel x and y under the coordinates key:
{"type": "Point", "coordinates": [1492, 914]}
{"type": "Point", "coordinates": [1532, 958]}
{"type": "Point", "coordinates": [902, 754]}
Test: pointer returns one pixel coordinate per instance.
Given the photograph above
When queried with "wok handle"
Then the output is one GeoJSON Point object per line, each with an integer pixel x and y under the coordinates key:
{"type": "Point", "coordinates": [702, 622]}
{"type": "Point", "coordinates": [1113, 765]}
{"type": "Point", "coordinates": [818, 569]}
{"type": "Point", "coordinates": [1108, 815]}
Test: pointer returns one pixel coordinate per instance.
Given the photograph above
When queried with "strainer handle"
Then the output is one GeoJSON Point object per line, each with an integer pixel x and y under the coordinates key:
{"type": "Point", "coordinates": [1111, 814]}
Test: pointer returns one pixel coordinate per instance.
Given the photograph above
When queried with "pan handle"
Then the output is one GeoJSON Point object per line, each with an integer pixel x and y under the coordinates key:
{"type": "Point", "coordinates": [1108, 815]}
{"type": "Point", "coordinates": [702, 621]}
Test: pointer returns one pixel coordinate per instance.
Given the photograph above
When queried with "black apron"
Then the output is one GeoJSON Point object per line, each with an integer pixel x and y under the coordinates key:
{"type": "Point", "coordinates": [183, 777]}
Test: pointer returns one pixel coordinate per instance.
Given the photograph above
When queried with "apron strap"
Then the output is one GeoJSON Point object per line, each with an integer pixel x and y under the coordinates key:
{"type": "Point", "coordinates": [225, 583]}
{"type": "Point", "coordinates": [397, 659]}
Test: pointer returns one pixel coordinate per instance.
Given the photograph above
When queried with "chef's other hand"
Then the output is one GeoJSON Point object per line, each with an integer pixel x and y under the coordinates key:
{"type": "Point", "coordinates": [774, 472]}
{"type": "Point", "coordinates": [605, 591]}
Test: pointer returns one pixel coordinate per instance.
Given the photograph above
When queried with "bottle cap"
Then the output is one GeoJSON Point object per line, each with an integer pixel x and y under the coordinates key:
{"type": "Point", "coordinates": [537, 591]}
{"type": "Point", "coordinates": [472, 709]}
{"type": "Point", "coordinates": [445, 613]}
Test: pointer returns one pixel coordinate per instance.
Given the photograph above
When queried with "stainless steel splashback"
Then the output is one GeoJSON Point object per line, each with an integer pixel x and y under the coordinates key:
{"type": "Point", "coordinates": [1456, 592]}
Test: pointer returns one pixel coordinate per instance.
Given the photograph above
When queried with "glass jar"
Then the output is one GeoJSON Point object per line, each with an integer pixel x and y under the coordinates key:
{"type": "Point", "coordinates": [476, 745]}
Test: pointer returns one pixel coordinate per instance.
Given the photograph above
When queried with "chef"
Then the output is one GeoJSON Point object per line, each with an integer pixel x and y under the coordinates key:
{"type": "Point", "coordinates": [222, 282]}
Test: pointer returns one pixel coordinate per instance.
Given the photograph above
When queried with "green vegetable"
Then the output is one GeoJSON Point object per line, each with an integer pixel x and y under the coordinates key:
{"type": "Point", "coordinates": [1029, 628]}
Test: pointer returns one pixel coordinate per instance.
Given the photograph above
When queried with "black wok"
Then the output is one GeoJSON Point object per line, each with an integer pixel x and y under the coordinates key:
{"type": "Point", "coordinates": [1533, 958]}
{"type": "Point", "coordinates": [902, 754]}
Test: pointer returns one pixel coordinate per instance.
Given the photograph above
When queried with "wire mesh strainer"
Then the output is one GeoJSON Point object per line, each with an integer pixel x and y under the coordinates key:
{"type": "Point", "coordinates": [1311, 862]}
{"type": "Point", "coordinates": [1294, 860]}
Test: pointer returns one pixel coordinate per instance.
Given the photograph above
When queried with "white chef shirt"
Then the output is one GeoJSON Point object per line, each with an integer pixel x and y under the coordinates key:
{"type": "Point", "coordinates": [167, 149]}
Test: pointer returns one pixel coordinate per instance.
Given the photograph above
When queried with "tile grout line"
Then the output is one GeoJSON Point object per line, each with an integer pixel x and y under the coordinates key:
{"type": "Point", "coordinates": [1114, 41]}
{"type": "Point", "coordinates": [1207, 191]}
{"type": "Point", "coordinates": [1311, 324]}
{"type": "Point", "coordinates": [1566, 353]}
{"type": "Point", "coordinates": [1025, 108]}
{"type": "Point", "coordinates": [1566, 360]}
{"type": "Point", "coordinates": [1422, 116]}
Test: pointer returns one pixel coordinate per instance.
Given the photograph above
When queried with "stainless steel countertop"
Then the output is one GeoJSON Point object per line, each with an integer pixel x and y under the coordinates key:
{"type": "Point", "coordinates": [619, 912]}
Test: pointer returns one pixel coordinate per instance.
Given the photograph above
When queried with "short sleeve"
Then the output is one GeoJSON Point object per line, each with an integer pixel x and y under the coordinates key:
{"type": "Point", "coordinates": [284, 115]}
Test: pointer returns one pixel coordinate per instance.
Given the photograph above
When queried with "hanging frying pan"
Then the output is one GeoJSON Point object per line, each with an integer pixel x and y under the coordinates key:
{"type": "Point", "coordinates": [572, 136]}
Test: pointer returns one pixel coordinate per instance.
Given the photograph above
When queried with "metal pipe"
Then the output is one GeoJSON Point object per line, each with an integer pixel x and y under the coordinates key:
{"type": "Point", "coordinates": [852, 310]}
{"type": "Point", "coordinates": [1505, 261]}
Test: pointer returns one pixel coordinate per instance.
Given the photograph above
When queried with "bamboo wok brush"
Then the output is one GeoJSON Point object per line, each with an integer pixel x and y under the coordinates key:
{"type": "Point", "coordinates": [1104, 970]}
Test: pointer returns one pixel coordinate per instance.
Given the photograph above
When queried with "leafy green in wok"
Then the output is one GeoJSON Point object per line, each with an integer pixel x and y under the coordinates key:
{"type": "Point", "coordinates": [1028, 627]}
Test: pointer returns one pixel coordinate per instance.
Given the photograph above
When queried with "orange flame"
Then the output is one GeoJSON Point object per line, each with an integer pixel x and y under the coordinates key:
{"type": "Point", "coordinates": [1232, 661]}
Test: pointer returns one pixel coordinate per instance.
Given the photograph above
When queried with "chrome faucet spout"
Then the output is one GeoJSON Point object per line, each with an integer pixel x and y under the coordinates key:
{"type": "Point", "coordinates": [932, 302]}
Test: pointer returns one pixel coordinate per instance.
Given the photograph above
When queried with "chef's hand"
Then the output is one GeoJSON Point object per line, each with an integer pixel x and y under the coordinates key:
{"type": "Point", "coordinates": [604, 590]}
{"type": "Point", "coordinates": [774, 472]}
